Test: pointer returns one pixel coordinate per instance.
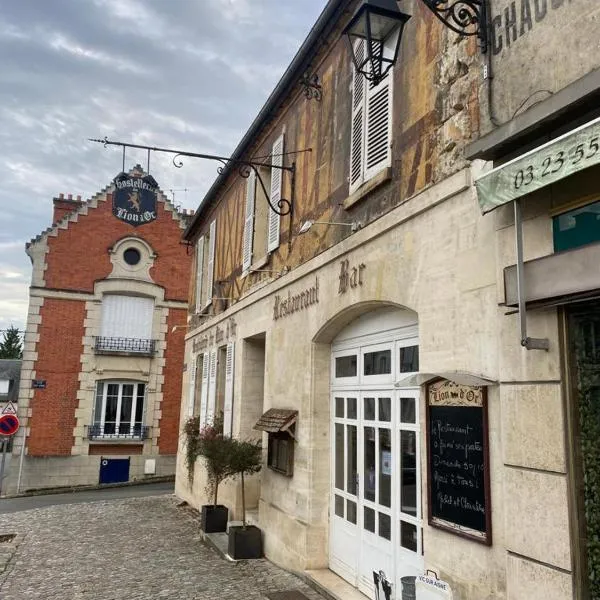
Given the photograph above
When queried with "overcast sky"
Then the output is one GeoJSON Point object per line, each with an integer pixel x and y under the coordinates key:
{"type": "Point", "coordinates": [189, 74]}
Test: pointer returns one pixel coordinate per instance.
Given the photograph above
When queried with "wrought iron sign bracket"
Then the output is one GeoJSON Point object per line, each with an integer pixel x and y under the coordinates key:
{"type": "Point", "coordinates": [245, 167]}
{"type": "Point", "coordinates": [312, 87]}
{"type": "Point", "coordinates": [465, 17]}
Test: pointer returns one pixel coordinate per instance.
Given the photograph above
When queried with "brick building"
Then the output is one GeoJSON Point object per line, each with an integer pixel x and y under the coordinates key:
{"type": "Point", "coordinates": [103, 354]}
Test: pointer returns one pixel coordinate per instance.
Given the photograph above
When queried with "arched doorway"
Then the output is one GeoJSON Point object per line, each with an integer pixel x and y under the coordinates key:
{"type": "Point", "coordinates": [375, 515]}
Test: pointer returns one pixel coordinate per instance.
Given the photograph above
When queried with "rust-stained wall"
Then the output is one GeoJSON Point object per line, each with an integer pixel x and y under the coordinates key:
{"type": "Point", "coordinates": [435, 113]}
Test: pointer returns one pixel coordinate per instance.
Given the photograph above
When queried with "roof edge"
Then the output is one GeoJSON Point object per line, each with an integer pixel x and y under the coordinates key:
{"type": "Point", "coordinates": [294, 71]}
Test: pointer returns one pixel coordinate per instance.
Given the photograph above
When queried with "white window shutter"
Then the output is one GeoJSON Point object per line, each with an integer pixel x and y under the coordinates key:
{"type": "Point", "coordinates": [212, 387]}
{"type": "Point", "coordinates": [228, 404]}
{"type": "Point", "coordinates": [199, 272]}
{"type": "Point", "coordinates": [249, 220]}
{"type": "Point", "coordinates": [357, 131]}
{"type": "Point", "coordinates": [192, 392]}
{"type": "Point", "coordinates": [210, 270]}
{"type": "Point", "coordinates": [204, 390]}
{"type": "Point", "coordinates": [378, 126]}
{"type": "Point", "coordinates": [275, 196]}
{"type": "Point", "coordinates": [127, 317]}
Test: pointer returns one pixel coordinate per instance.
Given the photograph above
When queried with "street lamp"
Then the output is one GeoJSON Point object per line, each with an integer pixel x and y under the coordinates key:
{"type": "Point", "coordinates": [380, 24]}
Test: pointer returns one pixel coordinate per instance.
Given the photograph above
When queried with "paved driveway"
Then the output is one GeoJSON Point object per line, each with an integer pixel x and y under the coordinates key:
{"type": "Point", "coordinates": [134, 549]}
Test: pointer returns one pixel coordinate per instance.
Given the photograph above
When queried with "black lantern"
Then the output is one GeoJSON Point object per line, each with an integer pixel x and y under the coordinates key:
{"type": "Point", "coordinates": [380, 24]}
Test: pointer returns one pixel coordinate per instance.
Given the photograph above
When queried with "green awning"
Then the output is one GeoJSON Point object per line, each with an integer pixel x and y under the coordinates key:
{"type": "Point", "coordinates": [573, 152]}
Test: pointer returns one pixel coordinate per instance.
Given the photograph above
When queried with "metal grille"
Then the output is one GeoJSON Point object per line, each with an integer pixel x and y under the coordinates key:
{"type": "Point", "coordinates": [123, 431]}
{"type": "Point", "coordinates": [118, 344]}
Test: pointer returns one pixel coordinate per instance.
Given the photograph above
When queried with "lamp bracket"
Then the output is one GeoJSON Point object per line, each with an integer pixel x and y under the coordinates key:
{"type": "Point", "coordinates": [312, 87]}
{"type": "Point", "coordinates": [465, 17]}
{"type": "Point", "coordinates": [284, 207]}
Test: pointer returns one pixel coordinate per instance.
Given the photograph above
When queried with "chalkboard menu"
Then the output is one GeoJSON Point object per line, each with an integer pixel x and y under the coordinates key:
{"type": "Point", "coordinates": [458, 468]}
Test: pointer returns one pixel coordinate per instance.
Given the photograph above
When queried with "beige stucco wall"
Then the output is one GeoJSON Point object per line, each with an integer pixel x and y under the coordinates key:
{"type": "Point", "coordinates": [436, 255]}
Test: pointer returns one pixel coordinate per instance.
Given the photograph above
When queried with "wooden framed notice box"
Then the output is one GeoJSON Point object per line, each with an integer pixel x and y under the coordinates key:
{"type": "Point", "coordinates": [458, 482]}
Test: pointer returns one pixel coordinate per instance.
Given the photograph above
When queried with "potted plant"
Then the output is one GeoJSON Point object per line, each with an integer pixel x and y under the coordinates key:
{"type": "Point", "coordinates": [245, 541]}
{"type": "Point", "coordinates": [216, 450]}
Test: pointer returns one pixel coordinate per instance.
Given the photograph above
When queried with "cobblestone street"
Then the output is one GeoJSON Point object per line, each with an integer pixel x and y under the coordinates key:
{"type": "Point", "coordinates": [134, 549]}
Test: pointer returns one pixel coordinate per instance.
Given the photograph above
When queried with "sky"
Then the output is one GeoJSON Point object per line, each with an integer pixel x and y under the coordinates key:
{"type": "Point", "coordinates": [185, 74]}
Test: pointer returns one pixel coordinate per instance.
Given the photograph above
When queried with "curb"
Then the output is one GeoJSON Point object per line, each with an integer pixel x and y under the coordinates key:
{"type": "Point", "coordinates": [86, 488]}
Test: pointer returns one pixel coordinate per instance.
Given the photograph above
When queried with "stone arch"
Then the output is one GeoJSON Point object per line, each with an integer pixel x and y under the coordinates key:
{"type": "Point", "coordinates": [320, 443]}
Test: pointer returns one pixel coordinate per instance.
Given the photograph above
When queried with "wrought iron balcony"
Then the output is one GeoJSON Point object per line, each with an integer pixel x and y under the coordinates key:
{"type": "Point", "coordinates": [122, 431]}
{"type": "Point", "coordinates": [119, 345]}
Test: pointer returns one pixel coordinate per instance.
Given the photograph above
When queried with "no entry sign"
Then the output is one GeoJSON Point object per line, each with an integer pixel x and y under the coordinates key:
{"type": "Point", "coordinates": [9, 424]}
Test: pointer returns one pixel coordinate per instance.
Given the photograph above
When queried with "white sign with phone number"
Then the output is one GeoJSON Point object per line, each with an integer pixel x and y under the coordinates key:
{"type": "Point", "coordinates": [564, 156]}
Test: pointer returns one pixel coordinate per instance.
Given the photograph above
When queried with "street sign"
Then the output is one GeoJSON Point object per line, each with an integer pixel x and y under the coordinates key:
{"type": "Point", "coordinates": [9, 424]}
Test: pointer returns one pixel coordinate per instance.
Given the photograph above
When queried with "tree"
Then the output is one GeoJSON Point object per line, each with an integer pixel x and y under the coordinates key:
{"type": "Point", "coordinates": [245, 459]}
{"type": "Point", "coordinates": [11, 346]}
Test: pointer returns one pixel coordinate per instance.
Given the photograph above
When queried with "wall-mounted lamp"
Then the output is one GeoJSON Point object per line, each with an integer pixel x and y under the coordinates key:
{"type": "Point", "coordinates": [354, 226]}
{"type": "Point", "coordinates": [380, 24]}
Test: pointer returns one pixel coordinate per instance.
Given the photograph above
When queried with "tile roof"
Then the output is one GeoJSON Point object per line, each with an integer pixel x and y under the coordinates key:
{"type": "Point", "coordinates": [276, 419]}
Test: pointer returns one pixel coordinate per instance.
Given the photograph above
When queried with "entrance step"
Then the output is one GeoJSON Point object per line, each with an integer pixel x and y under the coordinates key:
{"type": "Point", "coordinates": [331, 586]}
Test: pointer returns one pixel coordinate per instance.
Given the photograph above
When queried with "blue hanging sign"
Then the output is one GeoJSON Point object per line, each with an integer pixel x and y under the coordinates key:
{"type": "Point", "coordinates": [134, 199]}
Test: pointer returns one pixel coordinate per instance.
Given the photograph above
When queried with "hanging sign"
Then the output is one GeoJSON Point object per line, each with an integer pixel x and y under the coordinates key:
{"type": "Point", "coordinates": [458, 463]}
{"type": "Point", "coordinates": [134, 199]}
{"type": "Point", "coordinates": [543, 166]}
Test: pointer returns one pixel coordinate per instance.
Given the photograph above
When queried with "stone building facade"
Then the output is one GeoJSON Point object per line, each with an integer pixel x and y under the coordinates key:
{"type": "Point", "coordinates": [103, 350]}
{"type": "Point", "coordinates": [389, 296]}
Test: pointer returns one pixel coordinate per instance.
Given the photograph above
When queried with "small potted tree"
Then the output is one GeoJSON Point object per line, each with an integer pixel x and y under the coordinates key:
{"type": "Point", "coordinates": [245, 541]}
{"type": "Point", "coordinates": [216, 450]}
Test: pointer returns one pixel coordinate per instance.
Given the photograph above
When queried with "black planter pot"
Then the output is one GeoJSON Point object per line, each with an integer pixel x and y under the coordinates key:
{"type": "Point", "coordinates": [214, 518]}
{"type": "Point", "coordinates": [245, 543]}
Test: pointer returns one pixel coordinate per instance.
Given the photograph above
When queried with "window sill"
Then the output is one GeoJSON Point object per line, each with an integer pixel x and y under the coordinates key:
{"type": "Point", "coordinates": [367, 187]}
{"type": "Point", "coordinates": [256, 265]}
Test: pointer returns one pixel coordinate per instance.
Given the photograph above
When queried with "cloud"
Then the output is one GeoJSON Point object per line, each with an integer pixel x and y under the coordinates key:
{"type": "Point", "coordinates": [189, 74]}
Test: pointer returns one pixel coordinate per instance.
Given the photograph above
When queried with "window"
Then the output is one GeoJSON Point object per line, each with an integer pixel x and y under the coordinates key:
{"type": "Point", "coordinates": [261, 224]}
{"type": "Point", "coordinates": [371, 125]}
{"type": "Point", "coordinates": [126, 324]}
{"type": "Point", "coordinates": [216, 390]}
{"type": "Point", "coordinates": [119, 410]}
{"type": "Point", "coordinates": [205, 268]}
{"type": "Point", "coordinates": [577, 227]}
{"type": "Point", "coordinates": [4, 385]}
{"type": "Point", "coordinates": [280, 453]}
{"type": "Point", "coordinates": [195, 367]}
{"type": "Point", "coordinates": [132, 256]}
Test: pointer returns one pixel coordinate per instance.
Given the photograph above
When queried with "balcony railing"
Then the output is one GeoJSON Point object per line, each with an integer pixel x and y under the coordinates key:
{"type": "Point", "coordinates": [117, 345]}
{"type": "Point", "coordinates": [121, 431]}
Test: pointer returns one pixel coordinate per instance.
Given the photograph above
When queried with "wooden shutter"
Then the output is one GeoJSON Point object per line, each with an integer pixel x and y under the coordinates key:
{"type": "Point", "coordinates": [199, 272]}
{"type": "Point", "coordinates": [192, 392]}
{"type": "Point", "coordinates": [210, 270]}
{"type": "Point", "coordinates": [212, 387]}
{"type": "Point", "coordinates": [276, 186]}
{"type": "Point", "coordinates": [228, 404]}
{"type": "Point", "coordinates": [249, 221]}
{"type": "Point", "coordinates": [204, 390]}
{"type": "Point", "coordinates": [357, 131]}
{"type": "Point", "coordinates": [378, 126]}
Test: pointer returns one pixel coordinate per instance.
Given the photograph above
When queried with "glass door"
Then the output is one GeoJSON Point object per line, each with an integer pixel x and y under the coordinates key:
{"type": "Point", "coordinates": [344, 535]}
{"type": "Point", "coordinates": [409, 551]}
{"type": "Point", "coordinates": [376, 498]}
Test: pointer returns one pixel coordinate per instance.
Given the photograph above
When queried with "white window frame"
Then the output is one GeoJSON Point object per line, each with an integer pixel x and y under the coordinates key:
{"type": "Point", "coordinates": [274, 220]}
{"type": "Point", "coordinates": [360, 113]}
{"type": "Point", "coordinates": [102, 420]}
{"type": "Point", "coordinates": [210, 267]}
{"type": "Point", "coordinates": [199, 272]}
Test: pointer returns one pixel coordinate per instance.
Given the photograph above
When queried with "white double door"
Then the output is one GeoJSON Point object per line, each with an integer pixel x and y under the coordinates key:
{"type": "Point", "coordinates": [375, 516]}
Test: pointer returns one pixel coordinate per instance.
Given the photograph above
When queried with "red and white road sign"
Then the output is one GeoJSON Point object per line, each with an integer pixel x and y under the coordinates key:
{"type": "Point", "coordinates": [9, 424]}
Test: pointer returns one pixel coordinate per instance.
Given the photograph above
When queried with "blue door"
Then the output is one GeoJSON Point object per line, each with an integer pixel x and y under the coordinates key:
{"type": "Point", "coordinates": [114, 470]}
